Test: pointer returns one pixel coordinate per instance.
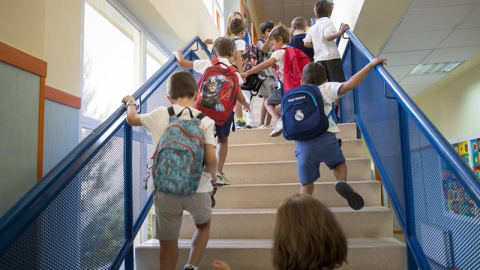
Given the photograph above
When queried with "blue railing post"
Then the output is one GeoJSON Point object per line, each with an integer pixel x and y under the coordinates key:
{"type": "Point", "coordinates": [128, 189]}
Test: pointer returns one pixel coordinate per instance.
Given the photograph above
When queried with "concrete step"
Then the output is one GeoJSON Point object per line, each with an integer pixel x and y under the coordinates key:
{"type": "Point", "coordinates": [255, 135]}
{"type": "Point", "coordinates": [286, 171]}
{"type": "Point", "coordinates": [371, 221]}
{"type": "Point", "coordinates": [282, 151]}
{"type": "Point", "coordinates": [255, 254]}
{"type": "Point", "coordinates": [271, 195]}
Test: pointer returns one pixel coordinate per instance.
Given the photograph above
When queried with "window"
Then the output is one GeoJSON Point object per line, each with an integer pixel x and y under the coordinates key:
{"type": "Point", "coordinates": [155, 58]}
{"type": "Point", "coordinates": [215, 8]}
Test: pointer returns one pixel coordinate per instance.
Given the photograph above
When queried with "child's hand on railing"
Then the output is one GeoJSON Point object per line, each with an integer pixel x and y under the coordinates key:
{"type": "Point", "coordinates": [377, 61]}
{"type": "Point", "coordinates": [344, 28]}
{"type": "Point", "coordinates": [178, 55]}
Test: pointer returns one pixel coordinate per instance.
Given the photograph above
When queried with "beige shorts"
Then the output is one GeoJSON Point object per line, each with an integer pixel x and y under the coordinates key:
{"type": "Point", "coordinates": [169, 210]}
{"type": "Point", "coordinates": [266, 87]}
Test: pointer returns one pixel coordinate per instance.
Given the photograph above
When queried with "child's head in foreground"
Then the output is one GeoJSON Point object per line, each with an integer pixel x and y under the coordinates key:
{"type": "Point", "coordinates": [280, 35]}
{"type": "Point", "coordinates": [181, 84]}
{"type": "Point", "coordinates": [307, 236]}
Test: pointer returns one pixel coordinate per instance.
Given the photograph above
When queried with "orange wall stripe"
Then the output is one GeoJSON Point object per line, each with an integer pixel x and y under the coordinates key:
{"type": "Point", "coordinates": [397, 232]}
{"type": "Point", "coordinates": [62, 97]}
{"type": "Point", "coordinates": [41, 124]}
{"type": "Point", "coordinates": [22, 60]}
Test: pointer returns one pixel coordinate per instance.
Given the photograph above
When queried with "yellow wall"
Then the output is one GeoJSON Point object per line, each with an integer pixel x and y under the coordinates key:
{"type": "Point", "coordinates": [453, 104]}
{"type": "Point", "coordinates": [50, 30]}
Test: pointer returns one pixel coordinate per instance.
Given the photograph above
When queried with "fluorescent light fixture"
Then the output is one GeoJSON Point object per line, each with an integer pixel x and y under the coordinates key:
{"type": "Point", "coordinates": [435, 68]}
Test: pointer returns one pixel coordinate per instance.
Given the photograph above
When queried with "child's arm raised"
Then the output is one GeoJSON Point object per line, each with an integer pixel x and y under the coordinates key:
{"type": "Point", "coordinates": [337, 34]}
{"type": "Point", "coordinates": [356, 79]}
{"type": "Point", "coordinates": [133, 118]}
{"type": "Point", "coordinates": [181, 61]}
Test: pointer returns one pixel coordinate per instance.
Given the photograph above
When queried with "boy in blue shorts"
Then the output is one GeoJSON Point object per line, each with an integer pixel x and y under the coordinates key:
{"type": "Point", "coordinates": [326, 147]}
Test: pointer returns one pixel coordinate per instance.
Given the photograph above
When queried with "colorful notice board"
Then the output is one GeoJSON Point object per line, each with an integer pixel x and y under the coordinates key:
{"type": "Point", "coordinates": [457, 201]}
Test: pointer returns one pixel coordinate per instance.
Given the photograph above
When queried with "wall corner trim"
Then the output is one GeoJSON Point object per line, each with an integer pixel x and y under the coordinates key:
{"type": "Point", "coordinates": [62, 97]}
{"type": "Point", "coordinates": [22, 60]}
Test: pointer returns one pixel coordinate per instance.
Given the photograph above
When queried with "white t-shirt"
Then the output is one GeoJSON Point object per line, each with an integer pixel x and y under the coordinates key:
{"type": "Point", "coordinates": [201, 65]}
{"type": "Point", "coordinates": [157, 121]}
{"type": "Point", "coordinates": [323, 49]}
{"type": "Point", "coordinates": [240, 44]}
{"type": "Point", "coordinates": [279, 55]}
{"type": "Point", "coordinates": [329, 92]}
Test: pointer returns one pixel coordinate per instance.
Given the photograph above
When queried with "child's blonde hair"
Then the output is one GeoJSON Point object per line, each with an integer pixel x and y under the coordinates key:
{"type": "Point", "coordinates": [307, 236]}
{"type": "Point", "coordinates": [299, 23]}
{"type": "Point", "coordinates": [280, 31]}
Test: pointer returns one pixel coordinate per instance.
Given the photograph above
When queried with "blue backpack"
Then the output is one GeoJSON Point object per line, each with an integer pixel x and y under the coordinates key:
{"type": "Point", "coordinates": [178, 159]}
{"type": "Point", "coordinates": [303, 113]}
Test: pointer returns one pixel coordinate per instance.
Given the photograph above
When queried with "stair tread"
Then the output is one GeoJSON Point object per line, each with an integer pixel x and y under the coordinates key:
{"type": "Point", "coordinates": [355, 182]}
{"type": "Point", "coordinates": [379, 242]}
{"type": "Point", "coordinates": [282, 161]}
{"type": "Point", "coordinates": [260, 211]}
{"type": "Point", "coordinates": [282, 143]}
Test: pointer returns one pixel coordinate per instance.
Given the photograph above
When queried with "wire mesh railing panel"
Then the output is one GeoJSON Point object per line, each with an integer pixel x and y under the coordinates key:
{"type": "Point", "coordinates": [83, 228]}
{"type": "Point", "coordinates": [447, 221]}
{"type": "Point", "coordinates": [380, 118]}
{"type": "Point", "coordinates": [103, 211]}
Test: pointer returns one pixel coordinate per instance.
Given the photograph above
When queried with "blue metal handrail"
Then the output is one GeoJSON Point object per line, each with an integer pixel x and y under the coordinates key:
{"type": "Point", "coordinates": [407, 110]}
{"type": "Point", "coordinates": [16, 220]}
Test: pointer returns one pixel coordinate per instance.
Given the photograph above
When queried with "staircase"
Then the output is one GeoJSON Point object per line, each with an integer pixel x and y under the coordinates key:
{"type": "Point", "coordinates": [263, 173]}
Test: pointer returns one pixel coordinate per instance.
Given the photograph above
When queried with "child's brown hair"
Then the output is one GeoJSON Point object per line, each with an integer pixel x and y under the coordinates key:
{"type": "Point", "coordinates": [237, 26]}
{"type": "Point", "coordinates": [314, 73]}
{"type": "Point", "coordinates": [280, 31]}
{"type": "Point", "coordinates": [223, 47]}
{"type": "Point", "coordinates": [299, 23]}
{"type": "Point", "coordinates": [323, 8]}
{"type": "Point", "coordinates": [181, 84]}
{"type": "Point", "coordinates": [307, 236]}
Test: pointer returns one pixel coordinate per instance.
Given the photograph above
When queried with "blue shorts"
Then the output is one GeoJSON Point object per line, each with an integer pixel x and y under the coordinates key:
{"type": "Point", "coordinates": [224, 130]}
{"type": "Point", "coordinates": [324, 148]}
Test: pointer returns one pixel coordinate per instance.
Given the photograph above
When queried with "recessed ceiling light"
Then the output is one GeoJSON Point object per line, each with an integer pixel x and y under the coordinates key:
{"type": "Point", "coordinates": [435, 68]}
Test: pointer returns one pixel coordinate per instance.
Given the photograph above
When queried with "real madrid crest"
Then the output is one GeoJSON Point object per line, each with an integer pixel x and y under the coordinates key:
{"type": "Point", "coordinates": [299, 115]}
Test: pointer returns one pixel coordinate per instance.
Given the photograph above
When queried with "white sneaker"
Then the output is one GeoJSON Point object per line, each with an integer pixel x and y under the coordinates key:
{"type": "Point", "coordinates": [278, 129]}
{"type": "Point", "coordinates": [222, 180]}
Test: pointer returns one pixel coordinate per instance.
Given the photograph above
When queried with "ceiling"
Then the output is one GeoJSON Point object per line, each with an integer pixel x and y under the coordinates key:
{"type": "Point", "coordinates": [430, 31]}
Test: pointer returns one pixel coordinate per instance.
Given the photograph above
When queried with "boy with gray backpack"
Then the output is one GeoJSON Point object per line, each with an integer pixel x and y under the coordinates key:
{"type": "Point", "coordinates": [183, 167]}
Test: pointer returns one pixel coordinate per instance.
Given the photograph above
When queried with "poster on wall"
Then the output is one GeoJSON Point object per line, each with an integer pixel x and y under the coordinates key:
{"type": "Point", "coordinates": [457, 200]}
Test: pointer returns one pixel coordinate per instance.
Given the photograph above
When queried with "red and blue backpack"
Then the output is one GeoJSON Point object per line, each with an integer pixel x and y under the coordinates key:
{"type": "Point", "coordinates": [217, 91]}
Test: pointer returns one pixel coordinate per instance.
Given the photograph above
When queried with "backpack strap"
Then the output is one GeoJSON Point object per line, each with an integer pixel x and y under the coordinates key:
{"type": "Point", "coordinates": [199, 116]}
{"type": "Point", "coordinates": [171, 112]}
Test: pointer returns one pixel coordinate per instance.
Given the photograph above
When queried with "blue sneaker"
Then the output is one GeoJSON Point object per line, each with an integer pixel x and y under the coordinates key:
{"type": "Point", "coordinates": [242, 124]}
{"type": "Point", "coordinates": [355, 201]}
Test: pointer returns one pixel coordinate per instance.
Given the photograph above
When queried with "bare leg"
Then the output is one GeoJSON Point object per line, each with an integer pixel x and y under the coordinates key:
{"type": "Point", "coordinates": [307, 189]}
{"type": "Point", "coordinates": [238, 110]}
{"type": "Point", "coordinates": [340, 172]}
{"type": "Point", "coordinates": [222, 149]}
{"type": "Point", "coordinates": [271, 111]}
{"type": "Point", "coordinates": [199, 242]}
{"type": "Point", "coordinates": [263, 113]}
{"type": "Point", "coordinates": [168, 254]}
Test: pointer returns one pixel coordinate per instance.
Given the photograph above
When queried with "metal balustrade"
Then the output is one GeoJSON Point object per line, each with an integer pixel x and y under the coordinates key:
{"type": "Point", "coordinates": [434, 194]}
{"type": "Point", "coordinates": [85, 213]}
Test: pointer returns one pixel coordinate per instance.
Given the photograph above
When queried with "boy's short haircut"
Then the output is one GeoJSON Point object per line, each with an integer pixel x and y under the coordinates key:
{"type": "Point", "coordinates": [299, 23]}
{"type": "Point", "coordinates": [181, 84]}
{"type": "Point", "coordinates": [314, 73]}
{"type": "Point", "coordinates": [223, 47]}
{"type": "Point", "coordinates": [266, 25]}
{"type": "Point", "coordinates": [323, 8]}
{"type": "Point", "coordinates": [281, 31]}
{"type": "Point", "coordinates": [237, 26]}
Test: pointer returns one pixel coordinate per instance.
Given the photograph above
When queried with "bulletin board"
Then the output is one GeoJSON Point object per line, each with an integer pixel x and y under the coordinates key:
{"type": "Point", "coordinates": [457, 201]}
